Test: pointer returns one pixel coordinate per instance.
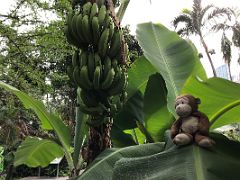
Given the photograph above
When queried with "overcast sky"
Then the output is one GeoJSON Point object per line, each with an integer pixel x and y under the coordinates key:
{"type": "Point", "coordinates": [164, 11]}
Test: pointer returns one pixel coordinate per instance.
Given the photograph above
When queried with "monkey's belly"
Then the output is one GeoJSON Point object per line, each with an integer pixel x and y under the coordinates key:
{"type": "Point", "coordinates": [190, 125]}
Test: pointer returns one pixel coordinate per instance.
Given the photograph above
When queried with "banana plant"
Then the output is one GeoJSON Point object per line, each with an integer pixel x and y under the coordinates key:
{"type": "Point", "coordinates": [32, 149]}
{"type": "Point", "coordinates": [177, 62]}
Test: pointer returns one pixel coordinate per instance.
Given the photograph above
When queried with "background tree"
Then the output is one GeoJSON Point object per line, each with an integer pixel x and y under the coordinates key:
{"type": "Point", "coordinates": [197, 19]}
{"type": "Point", "coordinates": [230, 28]}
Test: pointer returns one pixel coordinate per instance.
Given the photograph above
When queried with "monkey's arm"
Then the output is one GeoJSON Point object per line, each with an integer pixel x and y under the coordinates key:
{"type": "Point", "coordinates": [204, 124]}
{"type": "Point", "coordinates": [175, 128]}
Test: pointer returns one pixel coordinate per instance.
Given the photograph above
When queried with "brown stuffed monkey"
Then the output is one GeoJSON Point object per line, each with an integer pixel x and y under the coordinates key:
{"type": "Point", "coordinates": [191, 125]}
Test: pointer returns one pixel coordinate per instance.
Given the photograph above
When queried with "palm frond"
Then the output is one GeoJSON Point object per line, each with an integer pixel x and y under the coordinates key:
{"type": "Point", "coordinates": [184, 32]}
{"type": "Point", "coordinates": [236, 35]}
{"type": "Point", "coordinates": [204, 11]}
{"type": "Point", "coordinates": [220, 26]}
{"type": "Point", "coordinates": [226, 48]}
{"type": "Point", "coordinates": [217, 12]}
{"type": "Point", "coordinates": [197, 5]}
{"type": "Point", "coordinates": [182, 18]}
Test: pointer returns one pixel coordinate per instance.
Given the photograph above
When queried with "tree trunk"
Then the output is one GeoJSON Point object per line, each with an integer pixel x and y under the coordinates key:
{"type": "Point", "coordinates": [209, 57]}
{"type": "Point", "coordinates": [99, 140]}
{"type": "Point", "coordinates": [229, 71]}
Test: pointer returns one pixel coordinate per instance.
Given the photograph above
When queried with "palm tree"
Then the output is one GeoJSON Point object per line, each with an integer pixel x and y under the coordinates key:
{"type": "Point", "coordinates": [226, 43]}
{"type": "Point", "coordinates": [196, 19]}
{"type": "Point", "coordinates": [226, 50]}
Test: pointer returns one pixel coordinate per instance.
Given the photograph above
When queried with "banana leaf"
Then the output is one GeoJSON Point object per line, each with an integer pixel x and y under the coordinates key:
{"type": "Point", "coordinates": [102, 167]}
{"type": "Point", "coordinates": [49, 121]}
{"type": "Point", "coordinates": [35, 152]}
{"type": "Point", "coordinates": [174, 58]}
{"type": "Point", "coordinates": [187, 163]}
{"type": "Point", "coordinates": [218, 97]}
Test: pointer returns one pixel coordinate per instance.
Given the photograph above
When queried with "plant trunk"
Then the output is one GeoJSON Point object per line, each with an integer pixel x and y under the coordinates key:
{"type": "Point", "coordinates": [99, 140]}
{"type": "Point", "coordinates": [209, 57]}
{"type": "Point", "coordinates": [10, 172]}
{"type": "Point", "coordinates": [229, 71]}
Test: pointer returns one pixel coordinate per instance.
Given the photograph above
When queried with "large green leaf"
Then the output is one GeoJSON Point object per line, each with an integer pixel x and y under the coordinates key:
{"type": "Point", "coordinates": [48, 120]}
{"type": "Point", "coordinates": [172, 56]}
{"type": "Point", "coordinates": [131, 112]}
{"type": "Point", "coordinates": [102, 167]}
{"type": "Point", "coordinates": [188, 163]}
{"type": "Point", "coordinates": [120, 138]}
{"type": "Point", "coordinates": [216, 95]}
{"type": "Point", "coordinates": [35, 152]}
{"type": "Point", "coordinates": [138, 75]}
{"type": "Point", "coordinates": [157, 117]}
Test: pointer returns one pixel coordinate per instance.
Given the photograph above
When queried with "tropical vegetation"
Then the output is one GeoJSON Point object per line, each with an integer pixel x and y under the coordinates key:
{"type": "Point", "coordinates": [59, 124]}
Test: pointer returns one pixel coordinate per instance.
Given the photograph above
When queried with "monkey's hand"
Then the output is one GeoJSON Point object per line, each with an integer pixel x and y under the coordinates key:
{"type": "Point", "coordinates": [175, 128]}
{"type": "Point", "coordinates": [174, 132]}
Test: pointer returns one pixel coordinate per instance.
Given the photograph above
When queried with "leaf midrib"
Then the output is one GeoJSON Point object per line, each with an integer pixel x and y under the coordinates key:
{"type": "Point", "coordinates": [198, 163]}
{"type": "Point", "coordinates": [165, 62]}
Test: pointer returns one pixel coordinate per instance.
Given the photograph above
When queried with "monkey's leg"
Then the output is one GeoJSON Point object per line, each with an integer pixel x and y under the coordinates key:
{"type": "Point", "coordinates": [203, 141]}
{"type": "Point", "coordinates": [182, 139]}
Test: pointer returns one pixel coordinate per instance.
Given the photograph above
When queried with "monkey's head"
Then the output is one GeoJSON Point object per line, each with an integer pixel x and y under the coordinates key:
{"type": "Point", "coordinates": [186, 105]}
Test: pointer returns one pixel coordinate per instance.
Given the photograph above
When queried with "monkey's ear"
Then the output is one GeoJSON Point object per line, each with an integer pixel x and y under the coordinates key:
{"type": "Point", "coordinates": [197, 100]}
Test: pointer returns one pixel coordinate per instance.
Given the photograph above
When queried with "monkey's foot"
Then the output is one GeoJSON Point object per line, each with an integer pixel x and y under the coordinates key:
{"type": "Point", "coordinates": [206, 142]}
{"type": "Point", "coordinates": [182, 139]}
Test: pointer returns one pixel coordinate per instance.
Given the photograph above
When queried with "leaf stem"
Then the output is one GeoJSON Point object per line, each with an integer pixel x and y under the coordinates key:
{"type": "Point", "coordinates": [228, 107]}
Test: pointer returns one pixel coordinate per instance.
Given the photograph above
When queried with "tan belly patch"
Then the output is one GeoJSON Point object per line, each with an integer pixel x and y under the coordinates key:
{"type": "Point", "coordinates": [190, 124]}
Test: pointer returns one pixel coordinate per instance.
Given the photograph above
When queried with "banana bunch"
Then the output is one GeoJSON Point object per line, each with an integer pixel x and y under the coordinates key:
{"type": "Point", "coordinates": [93, 26]}
{"type": "Point", "coordinates": [98, 63]}
{"type": "Point", "coordinates": [92, 73]}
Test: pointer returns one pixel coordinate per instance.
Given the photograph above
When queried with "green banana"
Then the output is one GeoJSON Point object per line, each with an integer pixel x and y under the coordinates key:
{"type": "Point", "coordinates": [109, 79]}
{"type": "Point", "coordinates": [86, 9]}
{"type": "Point", "coordinates": [107, 66]}
{"type": "Point", "coordinates": [107, 20]}
{"type": "Point", "coordinates": [98, 110]}
{"type": "Point", "coordinates": [96, 30]}
{"type": "Point", "coordinates": [97, 77]}
{"type": "Point", "coordinates": [75, 58]}
{"type": "Point", "coordinates": [88, 98]}
{"type": "Point", "coordinates": [79, 28]}
{"type": "Point", "coordinates": [97, 60]}
{"type": "Point", "coordinates": [103, 45]}
{"type": "Point", "coordinates": [111, 28]}
{"type": "Point", "coordinates": [86, 29]}
{"type": "Point", "coordinates": [69, 37]}
{"type": "Point", "coordinates": [117, 76]}
{"type": "Point", "coordinates": [83, 59]}
{"type": "Point", "coordinates": [91, 65]}
{"type": "Point", "coordinates": [114, 63]}
{"type": "Point", "coordinates": [120, 86]}
{"type": "Point", "coordinates": [101, 15]}
{"type": "Point", "coordinates": [85, 81]}
{"type": "Point", "coordinates": [100, 2]}
{"type": "Point", "coordinates": [74, 29]}
{"type": "Point", "coordinates": [115, 44]}
{"type": "Point", "coordinates": [76, 76]}
{"type": "Point", "coordinates": [94, 10]}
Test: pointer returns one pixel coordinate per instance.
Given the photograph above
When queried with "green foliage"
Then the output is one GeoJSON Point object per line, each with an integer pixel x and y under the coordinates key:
{"type": "Point", "coordinates": [138, 75]}
{"type": "Point", "coordinates": [216, 95]}
{"type": "Point", "coordinates": [157, 117]}
{"type": "Point", "coordinates": [190, 162]}
{"type": "Point", "coordinates": [48, 120]}
{"type": "Point", "coordinates": [220, 102]}
{"type": "Point", "coordinates": [32, 148]}
{"type": "Point", "coordinates": [109, 157]}
{"type": "Point", "coordinates": [172, 57]}
{"type": "Point", "coordinates": [168, 162]}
